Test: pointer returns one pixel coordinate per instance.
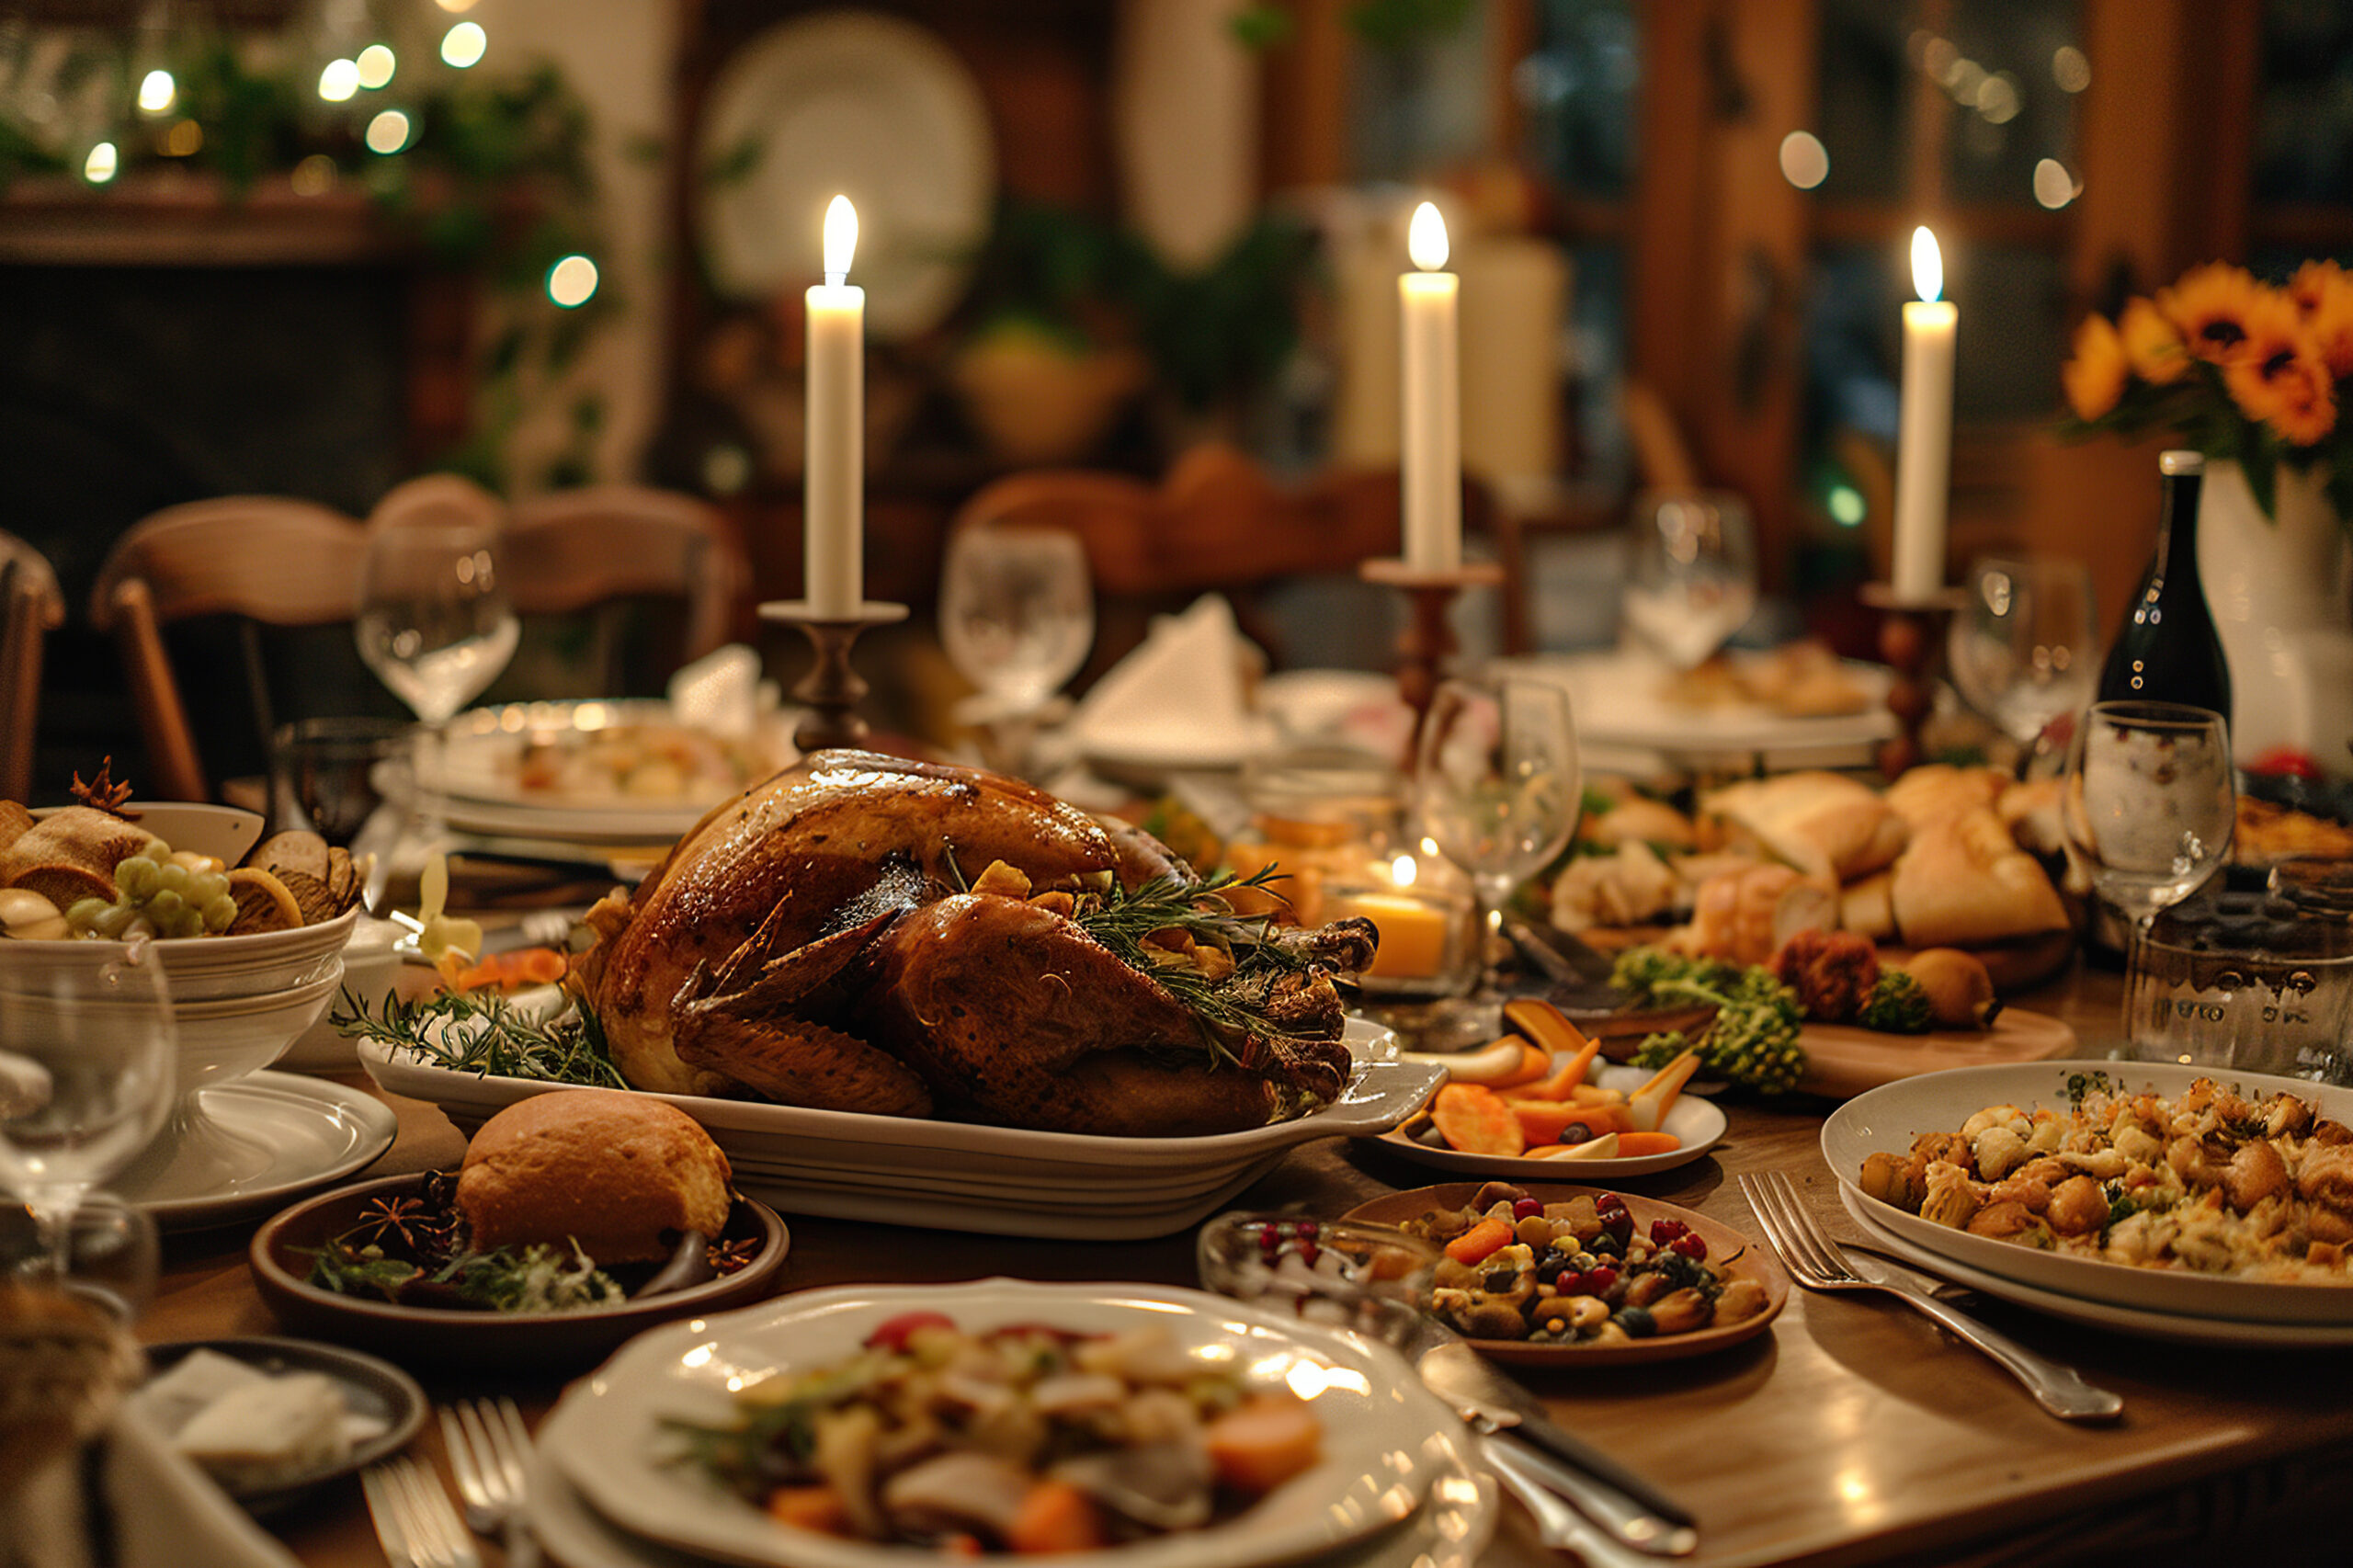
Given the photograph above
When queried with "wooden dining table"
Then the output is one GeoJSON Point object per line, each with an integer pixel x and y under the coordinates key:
{"type": "Point", "coordinates": [1855, 1431]}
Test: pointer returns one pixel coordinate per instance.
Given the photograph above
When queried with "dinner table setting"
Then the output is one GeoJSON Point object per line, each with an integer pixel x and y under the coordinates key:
{"type": "Point", "coordinates": [1625, 1107]}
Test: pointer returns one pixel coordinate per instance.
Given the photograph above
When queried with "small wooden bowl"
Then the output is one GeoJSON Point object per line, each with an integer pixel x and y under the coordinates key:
{"type": "Point", "coordinates": [280, 1260]}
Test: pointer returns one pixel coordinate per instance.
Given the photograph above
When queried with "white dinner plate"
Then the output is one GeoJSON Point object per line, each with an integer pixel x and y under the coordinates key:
{"type": "Point", "coordinates": [312, 1131]}
{"type": "Point", "coordinates": [1448, 1531]}
{"type": "Point", "coordinates": [846, 102]}
{"type": "Point", "coordinates": [610, 1436]}
{"type": "Point", "coordinates": [2177, 1328]}
{"type": "Point", "coordinates": [1695, 1120]}
{"type": "Point", "coordinates": [1890, 1118]}
{"type": "Point", "coordinates": [964, 1177]}
{"type": "Point", "coordinates": [1615, 697]}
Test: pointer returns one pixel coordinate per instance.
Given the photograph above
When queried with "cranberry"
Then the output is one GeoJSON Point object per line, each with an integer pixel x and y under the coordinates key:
{"type": "Point", "coordinates": [1608, 1203]}
{"type": "Point", "coordinates": [1307, 1230]}
{"type": "Point", "coordinates": [1308, 1252]}
{"type": "Point", "coordinates": [1527, 1209]}
{"type": "Point", "coordinates": [1619, 1227]}
{"type": "Point", "coordinates": [1664, 1232]}
{"type": "Point", "coordinates": [1596, 1280]}
{"type": "Point", "coordinates": [1692, 1247]}
{"type": "Point", "coordinates": [892, 1333]}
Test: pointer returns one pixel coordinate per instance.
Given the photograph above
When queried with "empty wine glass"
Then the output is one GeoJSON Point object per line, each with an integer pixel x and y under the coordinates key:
{"type": "Point", "coordinates": [2149, 803]}
{"type": "Point", "coordinates": [1691, 581]}
{"type": "Point", "coordinates": [1016, 613]}
{"type": "Point", "coordinates": [87, 1051]}
{"type": "Point", "coordinates": [2024, 648]}
{"type": "Point", "coordinates": [1497, 785]}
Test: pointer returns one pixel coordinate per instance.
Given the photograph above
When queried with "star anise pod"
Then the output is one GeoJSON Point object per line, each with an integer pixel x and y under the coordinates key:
{"type": "Point", "coordinates": [400, 1217]}
{"type": "Point", "coordinates": [103, 794]}
{"type": "Point", "coordinates": [728, 1257]}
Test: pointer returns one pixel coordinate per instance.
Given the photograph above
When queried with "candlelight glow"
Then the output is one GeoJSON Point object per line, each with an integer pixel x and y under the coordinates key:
{"type": "Point", "coordinates": [1426, 238]}
{"type": "Point", "coordinates": [841, 239]}
{"type": "Point", "coordinates": [156, 91]}
{"type": "Point", "coordinates": [1402, 871]}
{"type": "Point", "coordinates": [1928, 265]}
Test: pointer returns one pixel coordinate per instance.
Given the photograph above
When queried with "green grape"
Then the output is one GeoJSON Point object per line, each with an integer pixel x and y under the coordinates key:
{"type": "Point", "coordinates": [163, 906]}
{"type": "Point", "coordinates": [220, 912]}
{"type": "Point", "coordinates": [172, 878]}
{"type": "Point", "coordinates": [204, 886]}
{"type": "Point", "coordinates": [113, 920]}
{"type": "Point", "coordinates": [84, 914]}
{"type": "Point", "coordinates": [183, 922]}
{"type": "Point", "coordinates": [136, 878]}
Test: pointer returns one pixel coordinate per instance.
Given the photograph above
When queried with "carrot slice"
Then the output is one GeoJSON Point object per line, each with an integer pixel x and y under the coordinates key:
{"type": "Point", "coordinates": [1534, 1062]}
{"type": "Point", "coordinates": [1054, 1515]}
{"type": "Point", "coordinates": [1642, 1145]}
{"type": "Point", "coordinates": [1480, 1241]}
{"type": "Point", "coordinates": [1477, 1120]}
{"type": "Point", "coordinates": [1264, 1441]}
{"type": "Point", "coordinates": [1570, 1078]}
{"type": "Point", "coordinates": [817, 1508]}
{"type": "Point", "coordinates": [1542, 1122]}
{"type": "Point", "coordinates": [524, 966]}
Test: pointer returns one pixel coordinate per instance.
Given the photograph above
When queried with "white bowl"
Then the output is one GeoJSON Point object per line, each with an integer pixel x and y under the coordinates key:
{"type": "Point", "coordinates": [371, 967]}
{"type": "Point", "coordinates": [229, 1036]}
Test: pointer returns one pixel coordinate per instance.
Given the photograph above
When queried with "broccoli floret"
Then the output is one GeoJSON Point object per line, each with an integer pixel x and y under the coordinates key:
{"type": "Point", "coordinates": [1897, 1005]}
{"type": "Point", "coordinates": [1753, 1040]}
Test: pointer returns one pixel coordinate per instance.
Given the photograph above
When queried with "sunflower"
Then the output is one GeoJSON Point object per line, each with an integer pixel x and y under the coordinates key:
{"type": "Point", "coordinates": [2152, 345]}
{"type": "Point", "coordinates": [2278, 377]}
{"type": "Point", "coordinates": [2095, 377]}
{"type": "Point", "coordinates": [2209, 307]}
{"type": "Point", "coordinates": [2324, 296]}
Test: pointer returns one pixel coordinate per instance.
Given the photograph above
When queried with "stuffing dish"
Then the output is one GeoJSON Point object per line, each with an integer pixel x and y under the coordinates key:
{"type": "Point", "coordinates": [2207, 1181]}
{"type": "Point", "coordinates": [648, 762]}
{"type": "Point", "coordinates": [1023, 1438]}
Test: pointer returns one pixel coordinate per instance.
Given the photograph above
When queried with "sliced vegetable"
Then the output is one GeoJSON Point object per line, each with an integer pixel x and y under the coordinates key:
{"type": "Point", "coordinates": [814, 1507]}
{"type": "Point", "coordinates": [1642, 1146]}
{"type": "Point", "coordinates": [1267, 1440]}
{"type": "Point", "coordinates": [1533, 1064]}
{"type": "Point", "coordinates": [1503, 1059]}
{"type": "Point", "coordinates": [1649, 1105]}
{"type": "Point", "coordinates": [1477, 1120]}
{"type": "Point", "coordinates": [1546, 1025]}
{"type": "Point", "coordinates": [514, 971]}
{"type": "Point", "coordinates": [1570, 1076]}
{"type": "Point", "coordinates": [1054, 1515]}
{"type": "Point", "coordinates": [1482, 1241]}
{"type": "Point", "coordinates": [1606, 1147]}
{"type": "Point", "coordinates": [1541, 1121]}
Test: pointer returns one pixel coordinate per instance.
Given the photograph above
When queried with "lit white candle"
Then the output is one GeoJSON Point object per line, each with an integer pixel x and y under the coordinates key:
{"type": "Point", "coordinates": [833, 491]}
{"type": "Point", "coordinates": [1924, 440]}
{"type": "Point", "coordinates": [1433, 401]}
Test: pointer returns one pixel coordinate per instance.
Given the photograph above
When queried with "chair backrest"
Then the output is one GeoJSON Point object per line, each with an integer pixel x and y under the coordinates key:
{"type": "Point", "coordinates": [267, 558]}
{"type": "Point", "coordinates": [573, 550]}
{"type": "Point", "coordinates": [31, 608]}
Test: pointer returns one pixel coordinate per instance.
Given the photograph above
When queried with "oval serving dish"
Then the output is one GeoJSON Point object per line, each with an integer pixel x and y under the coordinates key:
{"type": "Point", "coordinates": [281, 1260]}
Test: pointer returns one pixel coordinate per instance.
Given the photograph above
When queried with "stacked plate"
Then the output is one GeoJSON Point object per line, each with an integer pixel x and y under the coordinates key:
{"type": "Point", "coordinates": [2176, 1304]}
{"type": "Point", "coordinates": [1393, 1488]}
{"type": "Point", "coordinates": [961, 1177]}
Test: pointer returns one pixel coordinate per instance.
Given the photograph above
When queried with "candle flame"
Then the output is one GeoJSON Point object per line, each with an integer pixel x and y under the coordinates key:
{"type": "Point", "coordinates": [1402, 871]}
{"type": "Point", "coordinates": [841, 239]}
{"type": "Point", "coordinates": [1928, 264]}
{"type": "Point", "coordinates": [1426, 238]}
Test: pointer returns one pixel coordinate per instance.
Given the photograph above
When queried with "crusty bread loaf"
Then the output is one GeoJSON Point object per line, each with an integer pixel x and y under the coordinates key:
{"type": "Point", "coordinates": [1868, 907]}
{"type": "Point", "coordinates": [2030, 811]}
{"type": "Point", "coordinates": [615, 1171]}
{"type": "Point", "coordinates": [74, 838]}
{"type": "Point", "coordinates": [1963, 885]}
{"type": "Point", "coordinates": [1830, 827]}
{"type": "Point", "coordinates": [1936, 791]}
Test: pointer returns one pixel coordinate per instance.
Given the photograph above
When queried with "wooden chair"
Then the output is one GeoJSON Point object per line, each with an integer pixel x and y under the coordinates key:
{"type": "Point", "coordinates": [266, 560]}
{"type": "Point", "coordinates": [31, 608]}
{"type": "Point", "coordinates": [1216, 523]}
{"type": "Point", "coordinates": [573, 550]}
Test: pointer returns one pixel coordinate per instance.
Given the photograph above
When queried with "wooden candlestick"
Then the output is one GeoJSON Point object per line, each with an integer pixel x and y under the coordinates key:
{"type": "Point", "coordinates": [1910, 630]}
{"type": "Point", "coordinates": [832, 690]}
{"type": "Point", "coordinates": [1428, 638]}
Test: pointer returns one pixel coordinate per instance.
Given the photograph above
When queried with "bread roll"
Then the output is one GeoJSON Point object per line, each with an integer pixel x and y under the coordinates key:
{"type": "Point", "coordinates": [1963, 885]}
{"type": "Point", "coordinates": [1745, 916]}
{"type": "Point", "coordinates": [1868, 907]}
{"type": "Point", "coordinates": [1937, 790]}
{"type": "Point", "coordinates": [618, 1173]}
{"type": "Point", "coordinates": [1829, 827]}
{"type": "Point", "coordinates": [2030, 811]}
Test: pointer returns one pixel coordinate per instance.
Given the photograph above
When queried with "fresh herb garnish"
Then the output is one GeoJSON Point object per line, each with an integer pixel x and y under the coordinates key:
{"type": "Point", "coordinates": [1753, 1039]}
{"type": "Point", "coordinates": [1133, 925]}
{"type": "Point", "coordinates": [481, 1033]}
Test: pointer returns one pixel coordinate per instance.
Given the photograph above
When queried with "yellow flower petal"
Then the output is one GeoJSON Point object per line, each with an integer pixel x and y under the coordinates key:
{"type": "Point", "coordinates": [2095, 377]}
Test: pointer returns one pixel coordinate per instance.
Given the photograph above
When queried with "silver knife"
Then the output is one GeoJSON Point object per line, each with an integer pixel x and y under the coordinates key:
{"type": "Point", "coordinates": [1626, 1506]}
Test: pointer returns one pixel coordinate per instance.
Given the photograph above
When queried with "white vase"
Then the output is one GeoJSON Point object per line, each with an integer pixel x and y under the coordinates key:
{"type": "Point", "coordinates": [2278, 589]}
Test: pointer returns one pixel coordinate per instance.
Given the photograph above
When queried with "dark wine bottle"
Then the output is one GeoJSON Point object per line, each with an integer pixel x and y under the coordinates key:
{"type": "Point", "coordinates": [2166, 649]}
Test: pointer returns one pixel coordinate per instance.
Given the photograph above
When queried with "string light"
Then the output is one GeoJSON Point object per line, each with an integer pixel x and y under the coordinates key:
{"type": "Point", "coordinates": [463, 45]}
{"type": "Point", "coordinates": [100, 165]}
{"type": "Point", "coordinates": [387, 132]}
{"type": "Point", "coordinates": [377, 63]}
{"type": "Point", "coordinates": [156, 91]}
{"type": "Point", "coordinates": [571, 281]}
{"type": "Point", "coordinates": [339, 80]}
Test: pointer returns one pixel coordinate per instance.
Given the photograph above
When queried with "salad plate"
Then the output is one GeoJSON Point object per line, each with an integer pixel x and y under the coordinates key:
{"type": "Point", "coordinates": [1386, 1441]}
{"type": "Point", "coordinates": [1888, 1119]}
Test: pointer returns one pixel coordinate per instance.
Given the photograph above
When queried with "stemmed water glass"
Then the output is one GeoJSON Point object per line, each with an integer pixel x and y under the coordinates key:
{"type": "Point", "coordinates": [1691, 581]}
{"type": "Point", "coordinates": [2149, 803]}
{"type": "Point", "coordinates": [1016, 613]}
{"type": "Point", "coordinates": [436, 625]}
{"type": "Point", "coordinates": [2024, 649]}
{"type": "Point", "coordinates": [87, 1051]}
{"type": "Point", "coordinates": [1497, 786]}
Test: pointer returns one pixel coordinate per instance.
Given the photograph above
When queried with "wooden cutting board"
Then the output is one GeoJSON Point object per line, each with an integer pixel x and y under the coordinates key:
{"type": "Point", "coordinates": [1843, 1061]}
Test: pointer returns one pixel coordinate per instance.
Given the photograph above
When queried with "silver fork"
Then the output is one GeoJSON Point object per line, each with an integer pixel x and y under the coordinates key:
{"type": "Point", "coordinates": [1818, 1263]}
{"type": "Point", "coordinates": [414, 1522]}
{"type": "Point", "coordinates": [489, 1455]}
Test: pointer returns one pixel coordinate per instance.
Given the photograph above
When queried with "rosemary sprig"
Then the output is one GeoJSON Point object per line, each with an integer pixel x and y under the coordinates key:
{"type": "Point", "coordinates": [481, 1033]}
{"type": "Point", "coordinates": [1227, 1008]}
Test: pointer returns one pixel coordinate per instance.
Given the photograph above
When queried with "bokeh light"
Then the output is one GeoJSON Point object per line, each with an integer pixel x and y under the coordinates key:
{"type": "Point", "coordinates": [571, 281]}
{"type": "Point", "coordinates": [183, 139]}
{"type": "Point", "coordinates": [387, 132]}
{"type": "Point", "coordinates": [100, 165]}
{"type": "Point", "coordinates": [1805, 162]}
{"type": "Point", "coordinates": [156, 91]}
{"type": "Point", "coordinates": [314, 175]}
{"type": "Point", "coordinates": [339, 81]}
{"type": "Point", "coordinates": [376, 64]}
{"type": "Point", "coordinates": [2055, 185]}
{"type": "Point", "coordinates": [463, 45]}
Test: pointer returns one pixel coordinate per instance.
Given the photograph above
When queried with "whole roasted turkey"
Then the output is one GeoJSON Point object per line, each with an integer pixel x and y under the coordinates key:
{"type": "Point", "coordinates": [863, 933]}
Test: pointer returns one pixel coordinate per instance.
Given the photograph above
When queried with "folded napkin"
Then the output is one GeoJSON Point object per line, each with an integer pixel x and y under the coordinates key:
{"type": "Point", "coordinates": [1180, 699]}
{"type": "Point", "coordinates": [719, 693]}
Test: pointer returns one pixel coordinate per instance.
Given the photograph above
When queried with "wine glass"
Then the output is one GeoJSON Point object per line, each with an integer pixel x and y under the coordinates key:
{"type": "Point", "coordinates": [1498, 784]}
{"type": "Point", "coordinates": [2023, 649]}
{"type": "Point", "coordinates": [2149, 803]}
{"type": "Point", "coordinates": [87, 1055]}
{"type": "Point", "coordinates": [437, 627]}
{"type": "Point", "coordinates": [1691, 581]}
{"type": "Point", "coordinates": [1016, 612]}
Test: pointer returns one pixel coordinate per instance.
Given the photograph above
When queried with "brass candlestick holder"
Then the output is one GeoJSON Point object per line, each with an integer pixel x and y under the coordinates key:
{"type": "Point", "coordinates": [832, 690]}
{"type": "Point", "coordinates": [1911, 629]}
{"type": "Point", "coordinates": [1428, 638]}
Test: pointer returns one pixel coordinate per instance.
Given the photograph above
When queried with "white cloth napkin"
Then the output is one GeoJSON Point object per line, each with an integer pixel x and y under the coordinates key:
{"type": "Point", "coordinates": [719, 693]}
{"type": "Point", "coordinates": [1179, 700]}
